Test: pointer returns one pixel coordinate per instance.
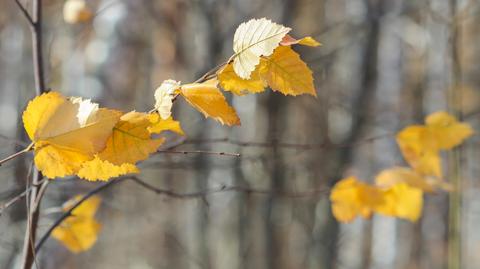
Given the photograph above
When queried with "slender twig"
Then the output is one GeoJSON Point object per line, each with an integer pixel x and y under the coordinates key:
{"type": "Point", "coordinates": [25, 13]}
{"type": "Point", "coordinates": [173, 194]}
{"type": "Point", "coordinates": [15, 155]}
{"type": "Point", "coordinates": [211, 73]}
{"type": "Point", "coordinates": [16, 198]}
{"type": "Point", "coordinates": [68, 213]}
{"type": "Point", "coordinates": [219, 153]}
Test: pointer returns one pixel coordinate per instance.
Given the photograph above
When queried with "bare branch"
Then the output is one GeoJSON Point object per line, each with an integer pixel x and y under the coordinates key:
{"type": "Point", "coordinates": [25, 13]}
{"type": "Point", "coordinates": [15, 155]}
{"type": "Point", "coordinates": [219, 153]}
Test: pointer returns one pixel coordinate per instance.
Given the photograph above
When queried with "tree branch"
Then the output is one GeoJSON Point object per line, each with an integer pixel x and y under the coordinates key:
{"type": "Point", "coordinates": [25, 13]}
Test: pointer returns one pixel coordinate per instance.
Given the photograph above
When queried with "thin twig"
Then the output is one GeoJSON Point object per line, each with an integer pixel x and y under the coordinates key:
{"type": "Point", "coordinates": [15, 155]}
{"type": "Point", "coordinates": [16, 199]}
{"type": "Point", "coordinates": [68, 213]}
{"type": "Point", "coordinates": [219, 153]}
{"type": "Point", "coordinates": [25, 13]}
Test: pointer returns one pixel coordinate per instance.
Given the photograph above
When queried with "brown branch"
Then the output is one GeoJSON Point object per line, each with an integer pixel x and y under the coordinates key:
{"type": "Point", "coordinates": [173, 194]}
{"type": "Point", "coordinates": [25, 13]}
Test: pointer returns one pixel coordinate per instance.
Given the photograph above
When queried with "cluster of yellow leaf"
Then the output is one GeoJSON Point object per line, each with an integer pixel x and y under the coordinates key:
{"type": "Point", "coordinates": [72, 136]}
{"type": "Point", "coordinates": [79, 231]}
{"type": "Point", "coordinates": [263, 57]}
{"type": "Point", "coordinates": [398, 191]}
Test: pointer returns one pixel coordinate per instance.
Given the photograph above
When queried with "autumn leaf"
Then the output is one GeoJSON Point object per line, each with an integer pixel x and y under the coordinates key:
{"type": "Point", "coordinates": [79, 231]}
{"type": "Point", "coordinates": [158, 125]}
{"type": "Point", "coordinates": [351, 198]}
{"type": "Point", "coordinates": [253, 39]}
{"type": "Point", "coordinates": [66, 132]}
{"type": "Point", "coordinates": [421, 144]}
{"type": "Point", "coordinates": [287, 73]}
{"type": "Point", "coordinates": [98, 169]}
{"type": "Point", "coordinates": [396, 175]}
{"type": "Point", "coordinates": [130, 141]}
{"type": "Point", "coordinates": [288, 40]}
{"type": "Point", "coordinates": [446, 131]}
{"type": "Point", "coordinates": [402, 201]}
{"type": "Point", "coordinates": [208, 99]}
{"type": "Point", "coordinates": [230, 81]}
{"type": "Point", "coordinates": [164, 97]}
{"type": "Point", "coordinates": [76, 11]}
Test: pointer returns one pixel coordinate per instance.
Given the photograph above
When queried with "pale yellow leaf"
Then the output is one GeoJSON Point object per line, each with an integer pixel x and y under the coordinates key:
{"type": "Point", "coordinates": [164, 97]}
{"type": "Point", "coordinates": [396, 175]}
{"type": "Point", "coordinates": [287, 73]}
{"type": "Point", "coordinates": [209, 100]}
{"type": "Point", "coordinates": [253, 39]}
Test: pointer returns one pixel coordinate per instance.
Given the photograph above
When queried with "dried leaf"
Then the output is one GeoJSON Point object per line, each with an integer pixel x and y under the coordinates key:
{"type": "Point", "coordinates": [230, 81]}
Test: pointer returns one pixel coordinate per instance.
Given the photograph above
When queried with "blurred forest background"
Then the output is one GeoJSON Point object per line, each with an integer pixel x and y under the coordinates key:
{"type": "Point", "coordinates": [382, 66]}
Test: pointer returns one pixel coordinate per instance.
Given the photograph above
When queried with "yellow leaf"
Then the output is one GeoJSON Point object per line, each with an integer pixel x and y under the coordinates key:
{"type": "Point", "coordinates": [76, 11]}
{"type": "Point", "coordinates": [446, 130]}
{"type": "Point", "coordinates": [351, 198]}
{"type": "Point", "coordinates": [419, 150]}
{"type": "Point", "coordinates": [66, 132]}
{"type": "Point", "coordinates": [230, 81]}
{"type": "Point", "coordinates": [130, 141]}
{"type": "Point", "coordinates": [253, 39]}
{"type": "Point", "coordinates": [402, 201]}
{"type": "Point", "coordinates": [288, 40]}
{"type": "Point", "coordinates": [209, 100]}
{"type": "Point", "coordinates": [79, 231]}
{"type": "Point", "coordinates": [396, 175]}
{"type": "Point", "coordinates": [164, 97]}
{"type": "Point", "coordinates": [159, 125]}
{"type": "Point", "coordinates": [288, 74]}
{"type": "Point", "coordinates": [98, 169]}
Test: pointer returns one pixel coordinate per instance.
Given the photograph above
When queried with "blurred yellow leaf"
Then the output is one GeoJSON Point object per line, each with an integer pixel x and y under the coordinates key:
{"type": "Point", "coordinates": [209, 100]}
{"type": "Point", "coordinates": [446, 131]}
{"type": "Point", "coordinates": [76, 11]}
{"type": "Point", "coordinates": [66, 132]}
{"type": "Point", "coordinates": [396, 175]}
{"type": "Point", "coordinates": [253, 39]}
{"type": "Point", "coordinates": [98, 169]}
{"type": "Point", "coordinates": [420, 144]}
{"type": "Point", "coordinates": [351, 198]}
{"type": "Point", "coordinates": [402, 201]}
{"type": "Point", "coordinates": [287, 73]}
{"type": "Point", "coordinates": [230, 81]}
{"type": "Point", "coordinates": [130, 141]}
{"type": "Point", "coordinates": [79, 231]}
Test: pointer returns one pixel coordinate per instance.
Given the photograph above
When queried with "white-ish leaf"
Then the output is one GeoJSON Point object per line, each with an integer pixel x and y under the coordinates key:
{"type": "Point", "coordinates": [253, 39]}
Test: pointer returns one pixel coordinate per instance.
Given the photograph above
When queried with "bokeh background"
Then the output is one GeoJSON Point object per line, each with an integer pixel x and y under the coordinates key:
{"type": "Point", "coordinates": [382, 66]}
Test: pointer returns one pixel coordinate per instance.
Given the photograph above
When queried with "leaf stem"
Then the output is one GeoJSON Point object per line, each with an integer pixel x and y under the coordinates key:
{"type": "Point", "coordinates": [15, 155]}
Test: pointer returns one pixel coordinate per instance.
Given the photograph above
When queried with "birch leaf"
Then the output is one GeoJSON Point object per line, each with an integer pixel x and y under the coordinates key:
{"type": "Point", "coordinates": [66, 132]}
{"type": "Point", "coordinates": [98, 169]}
{"type": "Point", "coordinates": [159, 125]}
{"type": "Point", "coordinates": [164, 97]}
{"type": "Point", "coordinates": [130, 141]}
{"type": "Point", "coordinates": [288, 74]}
{"type": "Point", "coordinates": [79, 232]}
{"type": "Point", "coordinates": [230, 81]}
{"type": "Point", "coordinates": [446, 131]}
{"type": "Point", "coordinates": [253, 39]}
{"type": "Point", "coordinates": [208, 99]}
